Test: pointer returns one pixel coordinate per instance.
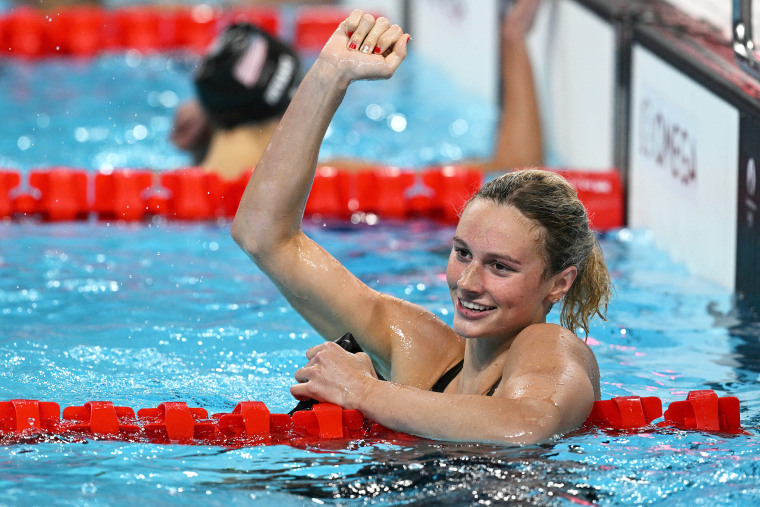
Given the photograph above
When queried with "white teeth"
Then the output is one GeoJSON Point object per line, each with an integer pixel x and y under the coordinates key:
{"type": "Point", "coordinates": [473, 306]}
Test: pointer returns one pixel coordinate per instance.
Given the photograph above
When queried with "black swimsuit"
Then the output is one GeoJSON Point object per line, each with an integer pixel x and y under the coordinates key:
{"type": "Point", "coordinates": [447, 377]}
{"type": "Point", "coordinates": [348, 342]}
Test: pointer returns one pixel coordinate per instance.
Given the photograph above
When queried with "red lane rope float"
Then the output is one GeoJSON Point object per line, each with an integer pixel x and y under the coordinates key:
{"type": "Point", "coordinates": [85, 31]}
{"type": "Point", "coordinates": [8, 181]}
{"type": "Point", "coordinates": [61, 194]}
{"type": "Point", "coordinates": [251, 423]}
{"type": "Point", "coordinates": [702, 410]}
{"type": "Point", "coordinates": [602, 194]}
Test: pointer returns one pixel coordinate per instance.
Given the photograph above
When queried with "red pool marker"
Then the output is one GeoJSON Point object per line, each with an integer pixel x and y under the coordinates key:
{"type": "Point", "coordinates": [8, 181]}
{"type": "Point", "coordinates": [63, 193]}
{"type": "Point", "coordinates": [452, 187]}
{"type": "Point", "coordinates": [195, 27]}
{"type": "Point", "coordinates": [703, 410]}
{"type": "Point", "coordinates": [251, 422]}
{"type": "Point", "coordinates": [266, 18]}
{"type": "Point", "coordinates": [157, 202]}
{"type": "Point", "coordinates": [383, 191]}
{"type": "Point", "coordinates": [144, 29]}
{"type": "Point", "coordinates": [23, 33]}
{"type": "Point", "coordinates": [100, 418]}
{"type": "Point", "coordinates": [601, 192]}
{"type": "Point", "coordinates": [329, 196]}
{"type": "Point", "coordinates": [87, 30]}
{"type": "Point", "coordinates": [625, 412]}
{"type": "Point", "coordinates": [25, 416]}
{"type": "Point", "coordinates": [326, 421]}
{"type": "Point", "coordinates": [174, 421]}
{"type": "Point", "coordinates": [25, 204]}
{"type": "Point", "coordinates": [77, 31]}
{"type": "Point", "coordinates": [232, 192]}
{"type": "Point", "coordinates": [122, 194]}
{"type": "Point", "coordinates": [194, 194]}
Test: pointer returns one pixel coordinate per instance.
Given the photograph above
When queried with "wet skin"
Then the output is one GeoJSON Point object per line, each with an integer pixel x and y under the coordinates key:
{"type": "Point", "coordinates": [496, 272]}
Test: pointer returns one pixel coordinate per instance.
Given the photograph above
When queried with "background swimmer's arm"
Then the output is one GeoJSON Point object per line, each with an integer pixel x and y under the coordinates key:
{"type": "Point", "coordinates": [519, 141]}
{"type": "Point", "coordinates": [550, 382]}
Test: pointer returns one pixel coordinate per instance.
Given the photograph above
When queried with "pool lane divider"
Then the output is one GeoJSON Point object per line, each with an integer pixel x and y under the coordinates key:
{"type": "Point", "coordinates": [64, 194]}
{"type": "Point", "coordinates": [702, 410]}
{"type": "Point", "coordinates": [86, 31]}
{"type": "Point", "coordinates": [251, 422]}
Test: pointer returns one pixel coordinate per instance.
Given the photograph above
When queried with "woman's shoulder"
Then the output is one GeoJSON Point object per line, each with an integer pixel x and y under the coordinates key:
{"type": "Point", "coordinates": [551, 337]}
{"type": "Point", "coordinates": [555, 347]}
{"type": "Point", "coordinates": [546, 330]}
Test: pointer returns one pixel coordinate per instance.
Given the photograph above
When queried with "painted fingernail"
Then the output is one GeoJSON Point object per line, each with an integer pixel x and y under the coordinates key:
{"type": "Point", "coordinates": [352, 46]}
{"type": "Point", "coordinates": [365, 49]}
{"type": "Point", "coordinates": [350, 34]}
{"type": "Point", "coordinates": [377, 50]}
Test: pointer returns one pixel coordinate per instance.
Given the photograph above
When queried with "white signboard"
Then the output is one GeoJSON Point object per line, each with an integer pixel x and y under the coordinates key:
{"type": "Point", "coordinates": [684, 151]}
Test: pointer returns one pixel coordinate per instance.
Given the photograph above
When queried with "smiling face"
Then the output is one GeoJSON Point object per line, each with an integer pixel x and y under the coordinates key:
{"type": "Point", "coordinates": [496, 272]}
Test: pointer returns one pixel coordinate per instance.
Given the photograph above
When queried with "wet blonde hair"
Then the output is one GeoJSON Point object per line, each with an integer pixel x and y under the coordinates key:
{"type": "Point", "coordinates": [553, 203]}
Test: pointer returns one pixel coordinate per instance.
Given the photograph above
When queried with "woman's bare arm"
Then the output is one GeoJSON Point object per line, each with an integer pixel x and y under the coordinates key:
{"type": "Point", "coordinates": [268, 221]}
{"type": "Point", "coordinates": [550, 383]}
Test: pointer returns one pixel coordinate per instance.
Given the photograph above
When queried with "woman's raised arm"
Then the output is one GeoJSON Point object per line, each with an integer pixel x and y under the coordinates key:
{"type": "Point", "coordinates": [267, 225]}
{"type": "Point", "coordinates": [272, 206]}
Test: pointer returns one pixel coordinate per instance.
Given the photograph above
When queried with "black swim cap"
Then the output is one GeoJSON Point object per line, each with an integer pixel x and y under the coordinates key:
{"type": "Point", "coordinates": [246, 76]}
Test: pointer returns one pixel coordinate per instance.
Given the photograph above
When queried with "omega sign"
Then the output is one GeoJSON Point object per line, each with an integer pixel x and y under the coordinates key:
{"type": "Point", "coordinates": [666, 140]}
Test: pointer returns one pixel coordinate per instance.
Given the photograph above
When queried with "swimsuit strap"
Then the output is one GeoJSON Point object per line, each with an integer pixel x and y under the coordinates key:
{"type": "Point", "coordinates": [447, 377]}
{"type": "Point", "coordinates": [493, 388]}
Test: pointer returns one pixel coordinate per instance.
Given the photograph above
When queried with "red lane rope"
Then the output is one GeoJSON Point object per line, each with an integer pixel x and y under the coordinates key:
{"type": "Point", "coordinates": [85, 31]}
{"type": "Point", "coordinates": [62, 194]}
{"type": "Point", "coordinates": [251, 422]}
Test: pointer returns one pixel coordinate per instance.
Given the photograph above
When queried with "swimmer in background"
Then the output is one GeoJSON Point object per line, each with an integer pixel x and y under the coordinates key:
{"type": "Point", "coordinates": [244, 84]}
{"type": "Point", "coordinates": [231, 144]}
{"type": "Point", "coordinates": [501, 374]}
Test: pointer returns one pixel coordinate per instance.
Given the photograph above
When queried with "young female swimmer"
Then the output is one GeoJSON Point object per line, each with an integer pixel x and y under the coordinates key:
{"type": "Point", "coordinates": [522, 244]}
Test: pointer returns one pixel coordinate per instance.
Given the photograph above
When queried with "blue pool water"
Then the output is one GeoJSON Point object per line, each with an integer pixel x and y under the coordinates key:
{"type": "Point", "coordinates": [141, 314]}
{"type": "Point", "coordinates": [145, 313]}
{"type": "Point", "coordinates": [116, 111]}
